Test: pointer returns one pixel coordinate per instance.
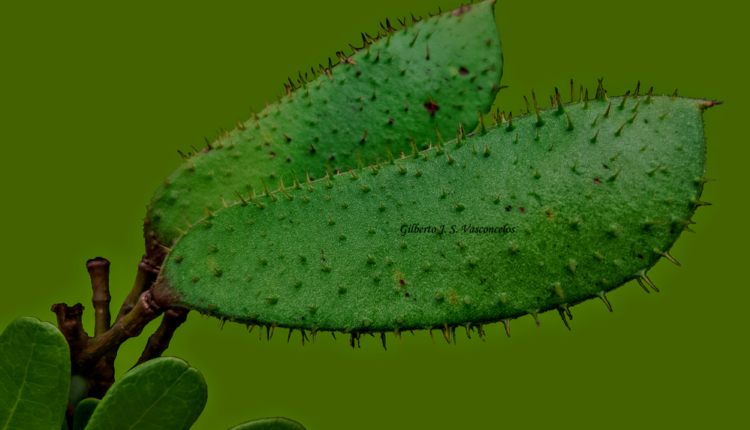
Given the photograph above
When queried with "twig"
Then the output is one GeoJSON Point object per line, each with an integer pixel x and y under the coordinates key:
{"type": "Point", "coordinates": [99, 272]}
{"type": "Point", "coordinates": [70, 324]}
{"type": "Point", "coordinates": [102, 375]}
{"type": "Point", "coordinates": [94, 357]}
{"type": "Point", "coordinates": [159, 341]}
{"type": "Point", "coordinates": [143, 280]}
{"type": "Point", "coordinates": [131, 325]}
{"type": "Point", "coordinates": [86, 351]}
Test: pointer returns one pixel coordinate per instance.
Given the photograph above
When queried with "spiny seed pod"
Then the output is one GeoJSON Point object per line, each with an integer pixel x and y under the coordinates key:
{"type": "Point", "coordinates": [522, 231]}
{"type": "Point", "coordinates": [436, 72]}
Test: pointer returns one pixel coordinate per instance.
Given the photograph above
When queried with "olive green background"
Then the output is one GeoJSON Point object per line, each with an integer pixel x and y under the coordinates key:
{"type": "Point", "coordinates": [97, 98]}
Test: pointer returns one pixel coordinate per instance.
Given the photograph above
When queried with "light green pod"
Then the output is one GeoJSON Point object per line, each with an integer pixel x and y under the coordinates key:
{"type": "Point", "coordinates": [539, 213]}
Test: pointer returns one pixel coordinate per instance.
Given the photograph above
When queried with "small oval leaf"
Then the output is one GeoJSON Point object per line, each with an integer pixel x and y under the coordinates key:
{"type": "Point", "coordinates": [278, 423]}
{"type": "Point", "coordinates": [34, 375]}
{"type": "Point", "coordinates": [83, 413]}
{"type": "Point", "coordinates": [165, 393]}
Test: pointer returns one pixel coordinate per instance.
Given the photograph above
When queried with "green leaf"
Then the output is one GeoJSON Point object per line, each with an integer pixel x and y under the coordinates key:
{"type": "Point", "coordinates": [85, 409]}
{"type": "Point", "coordinates": [164, 394]}
{"type": "Point", "coordinates": [34, 376]}
{"type": "Point", "coordinates": [269, 424]}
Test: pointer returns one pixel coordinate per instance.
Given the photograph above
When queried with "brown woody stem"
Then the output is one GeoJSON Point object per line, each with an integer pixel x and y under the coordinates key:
{"type": "Point", "coordinates": [131, 325]}
{"type": "Point", "coordinates": [94, 357]}
{"type": "Point", "coordinates": [69, 322]}
{"type": "Point", "coordinates": [99, 272]}
{"type": "Point", "coordinates": [159, 341]}
{"type": "Point", "coordinates": [145, 277]}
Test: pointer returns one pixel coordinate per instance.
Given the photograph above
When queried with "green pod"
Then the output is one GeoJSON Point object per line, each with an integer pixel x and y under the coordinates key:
{"type": "Point", "coordinates": [398, 86]}
{"type": "Point", "coordinates": [541, 213]}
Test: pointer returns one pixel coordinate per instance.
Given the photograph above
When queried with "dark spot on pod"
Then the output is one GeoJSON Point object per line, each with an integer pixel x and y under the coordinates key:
{"type": "Point", "coordinates": [640, 256]}
{"type": "Point", "coordinates": [431, 107]}
{"type": "Point", "coordinates": [597, 181]}
{"type": "Point", "coordinates": [521, 209]}
{"type": "Point", "coordinates": [463, 71]}
{"type": "Point", "coordinates": [273, 154]}
{"type": "Point", "coordinates": [605, 166]}
{"type": "Point", "coordinates": [508, 208]}
{"type": "Point", "coordinates": [312, 149]}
